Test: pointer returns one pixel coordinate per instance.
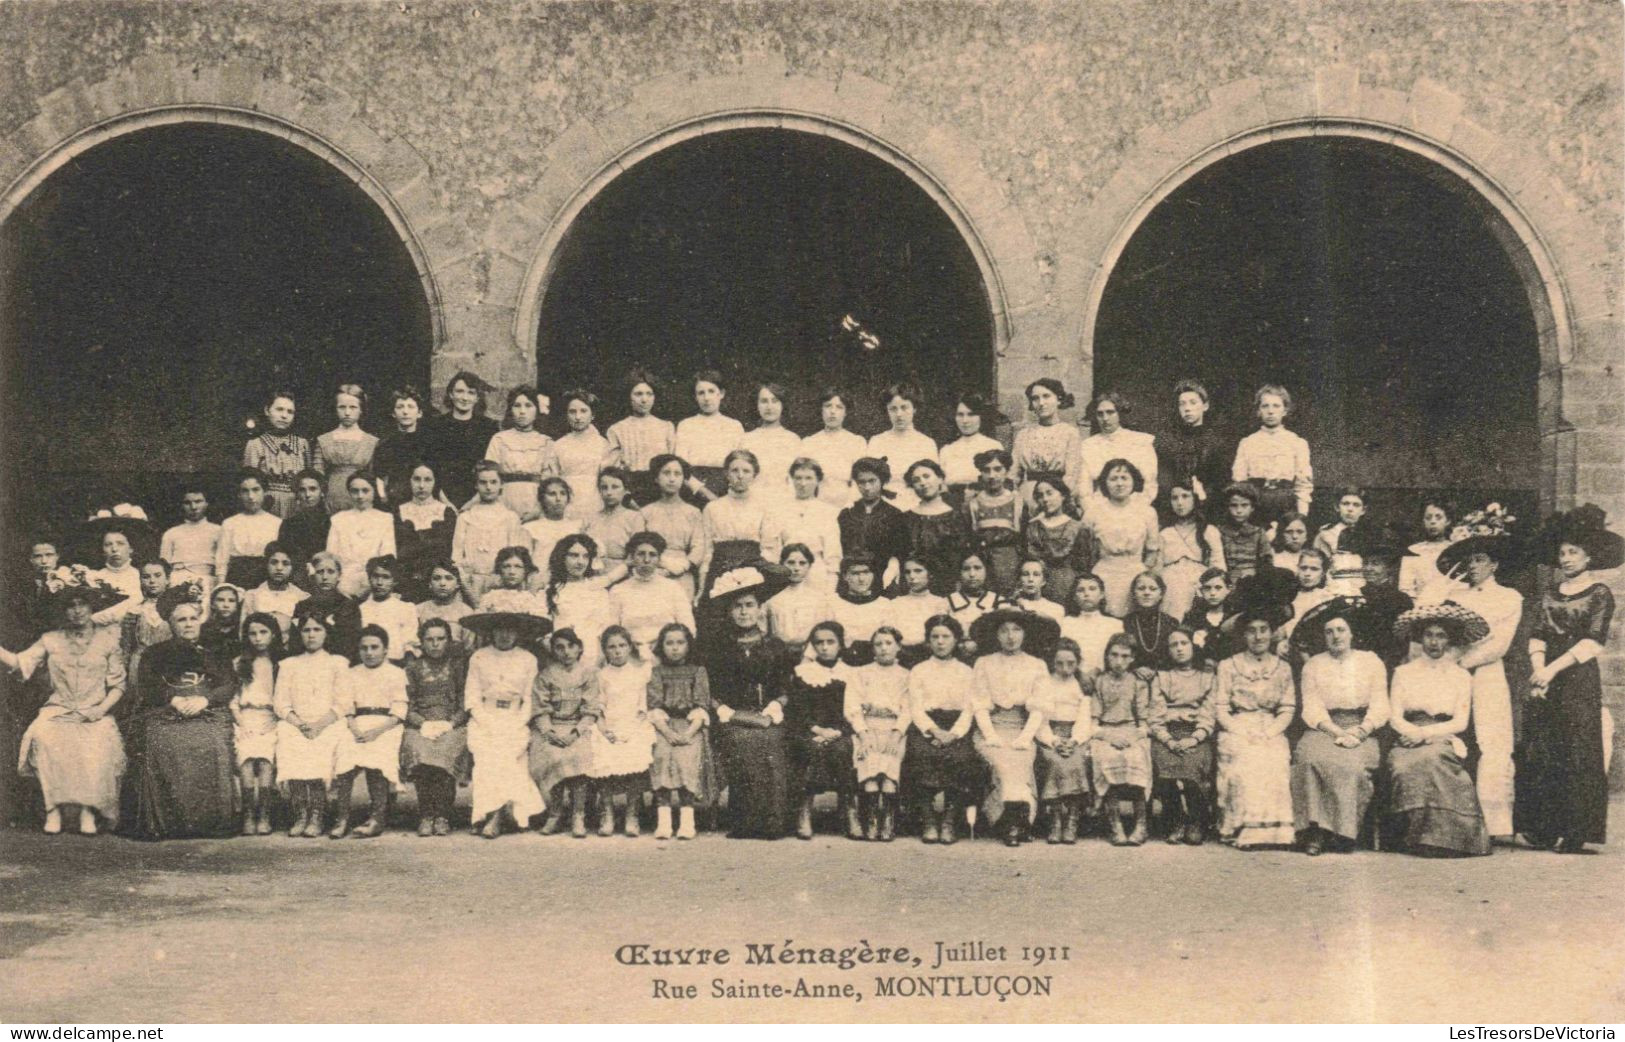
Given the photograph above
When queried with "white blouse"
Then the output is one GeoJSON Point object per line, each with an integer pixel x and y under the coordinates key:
{"type": "Point", "coordinates": [901, 451]}
{"type": "Point", "coordinates": [835, 452]}
{"type": "Point", "coordinates": [910, 612]}
{"type": "Point", "coordinates": [958, 458]}
{"type": "Point", "coordinates": [705, 441]}
{"type": "Point", "coordinates": [795, 610]}
{"type": "Point", "coordinates": [945, 684]}
{"type": "Point", "coordinates": [1138, 447]}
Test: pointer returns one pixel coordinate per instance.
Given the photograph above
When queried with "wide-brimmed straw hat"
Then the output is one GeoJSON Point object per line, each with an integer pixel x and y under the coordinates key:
{"type": "Point", "coordinates": [99, 596]}
{"type": "Point", "coordinates": [762, 579]}
{"type": "Point", "coordinates": [1487, 531]}
{"type": "Point", "coordinates": [1587, 528]}
{"type": "Point", "coordinates": [1464, 625]}
{"type": "Point", "coordinates": [1309, 635]}
{"type": "Point", "coordinates": [485, 623]}
{"type": "Point", "coordinates": [1041, 631]}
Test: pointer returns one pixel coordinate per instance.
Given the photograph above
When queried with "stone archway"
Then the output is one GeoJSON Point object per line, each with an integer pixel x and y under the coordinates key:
{"type": "Point", "coordinates": [525, 235]}
{"type": "Point", "coordinates": [1536, 221]}
{"type": "Point", "coordinates": [155, 91]}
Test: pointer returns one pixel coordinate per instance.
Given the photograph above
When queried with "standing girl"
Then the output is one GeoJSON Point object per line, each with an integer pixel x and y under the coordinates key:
{"type": "Point", "coordinates": [616, 523]}
{"type": "Point", "coordinates": [622, 741]}
{"type": "Point", "coordinates": [424, 526]}
{"type": "Point", "coordinates": [635, 441]}
{"type": "Point", "coordinates": [1274, 460]}
{"type": "Point", "coordinates": [1419, 571]}
{"type": "Point", "coordinates": [239, 557]}
{"type": "Point", "coordinates": [483, 528]}
{"type": "Point", "coordinates": [459, 436]}
{"type": "Point", "coordinates": [794, 610]}
{"type": "Point", "coordinates": [774, 445]}
{"type": "Point", "coordinates": [877, 710]}
{"type": "Point", "coordinates": [1063, 742]}
{"type": "Point", "coordinates": [938, 534]}
{"type": "Point", "coordinates": [1057, 539]}
{"type": "Point", "coordinates": [1182, 723]}
{"type": "Point", "coordinates": [434, 749]}
{"type": "Point", "coordinates": [901, 446]}
{"type": "Point", "coordinates": [360, 534]}
{"type": "Point", "coordinates": [1190, 546]}
{"type": "Point", "coordinates": [681, 771]}
{"type": "Point", "coordinates": [958, 457]}
{"type": "Point", "coordinates": [808, 520]}
{"type": "Point", "coordinates": [254, 720]}
{"type": "Point", "coordinates": [373, 705]}
{"type": "Point", "coordinates": [910, 609]}
{"type": "Point", "coordinates": [346, 448]}
{"type": "Point", "coordinates": [1120, 747]}
{"type": "Point", "coordinates": [560, 749]}
{"type": "Point", "coordinates": [707, 439]}
{"type": "Point", "coordinates": [677, 522]}
{"type": "Point", "coordinates": [523, 454]}
{"type": "Point", "coordinates": [996, 516]}
{"type": "Point", "coordinates": [1112, 442]}
{"type": "Point", "coordinates": [943, 769]}
{"type": "Point", "coordinates": [278, 454]}
{"type": "Point", "coordinates": [1047, 448]}
{"type": "Point", "coordinates": [818, 734]}
{"type": "Point", "coordinates": [404, 446]}
{"type": "Point", "coordinates": [308, 728]}
{"type": "Point", "coordinates": [835, 449]}
{"type": "Point", "coordinates": [1125, 533]}
{"type": "Point", "coordinates": [737, 528]}
{"type": "Point", "coordinates": [556, 522]}
{"type": "Point", "coordinates": [580, 453]}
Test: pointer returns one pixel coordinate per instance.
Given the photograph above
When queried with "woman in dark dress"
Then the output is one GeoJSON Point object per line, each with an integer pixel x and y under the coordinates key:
{"type": "Point", "coordinates": [815, 723]}
{"type": "Point", "coordinates": [424, 526]}
{"type": "Point", "coordinates": [407, 444]}
{"type": "Point", "coordinates": [458, 437]}
{"type": "Point", "coordinates": [750, 673]}
{"type": "Point", "coordinates": [186, 784]}
{"type": "Point", "coordinates": [1146, 624]}
{"type": "Point", "coordinates": [1562, 788]}
{"type": "Point", "coordinates": [939, 534]}
{"type": "Point", "coordinates": [434, 750]}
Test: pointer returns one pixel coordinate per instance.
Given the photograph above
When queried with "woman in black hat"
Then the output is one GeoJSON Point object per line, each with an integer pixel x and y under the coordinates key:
{"type": "Point", "coordinates": [1254, 700]}
{"type": "Point", "coordinates": [1345, 703]}
{"type": "Point", "coordinates": [1561, 784]}
{"type": "Point", "coordinates": [750, 673]}
{"type": "Point", "coordinates": [1433, 807]}
{"type": "Point", "coordinates": [186, 773]}
{"type": "Point", "coordinates": [1006, 684]}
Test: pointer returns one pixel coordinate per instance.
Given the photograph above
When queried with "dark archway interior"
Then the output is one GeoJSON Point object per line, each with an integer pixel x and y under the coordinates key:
{"type": "Point", "coordinates": [1365, 281]}
{"type": "Point", "coordinates": [156, 287]}
{"type": "Point", "coordinates": [743, 250]}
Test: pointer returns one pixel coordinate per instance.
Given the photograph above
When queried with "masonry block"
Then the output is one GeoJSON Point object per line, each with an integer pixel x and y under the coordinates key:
{"type": "Point", "coordinates": [1337, 90]}
{"type": "Point", "coordinates": [1434, 109]}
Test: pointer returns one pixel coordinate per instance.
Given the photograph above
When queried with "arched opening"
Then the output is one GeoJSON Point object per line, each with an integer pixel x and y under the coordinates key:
{"type": "Point", "coordinates": [157, 285]}
{"type": "Point", "coordinates": [1375, 284]}
{"type": "Point", "coordinates": [744, 250]}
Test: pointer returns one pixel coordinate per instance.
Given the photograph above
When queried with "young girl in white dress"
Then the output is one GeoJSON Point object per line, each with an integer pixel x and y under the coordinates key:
{"type": "Point", "coordinates": [1190, 546]}
{"type": "Point", "coordinates": [774, 444]}
{"type": "Point", "coordinates": [706, 438]}
{"type": "Point", "coordinates": [308, 726]}
{"type": "Point", "coordinates": [554, 496]}
{"type": "Point", "coordinates": [623, 739]}
{"type": "Point", "coordinates": [359, 534]}
{"type": "Point", "coordinates": [373, 706]}
{"type": "Point", "coordinates": [253, 715]}
{"type": "Point", "coordinates": [581, 452]}
{"type": "Point", "coordinates": [877, 709]}
{"type": "Point", "coordinates": [523, 454]}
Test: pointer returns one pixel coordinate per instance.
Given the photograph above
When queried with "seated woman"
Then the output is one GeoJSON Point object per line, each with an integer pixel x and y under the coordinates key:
{"type": "Point", "coordinates": [1345, 702]}
{"type": "Point", "coordinates": [1433, 806]}
{"type": "Point", "coordinates": [73, 745]}
{"type": "Point", "coordinates": [1008, 682]}
{"type": "Point", "coordinates": [187, 774]}
{"type": "Point", "coordinates": [1253, 701]}
{"type": "Point", "coordinates": [749, 672]}
{"type": "Point", "coordinates": [941, 764]}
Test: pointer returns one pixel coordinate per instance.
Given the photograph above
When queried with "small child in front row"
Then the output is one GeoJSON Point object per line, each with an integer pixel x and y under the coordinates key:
{"type": "Point", "coordinates": [1063, 741]}
{"type": "Point", "coordinates": [1182, 725]}
{"type": "Point", "coordinates": [373, 705]}
{"type": "Point", "coordinates": [682, 773]}
{"type": "Point", "coordinates": [1120, 750]}
{"type": "Point", "coordinates": [253, 715]}
{"type": "Point", "coordinates": [623, 741]}
{"type": "Point", "coordinates": [566, 692]}
{"type": "Point", "coordinates": [877, 709]}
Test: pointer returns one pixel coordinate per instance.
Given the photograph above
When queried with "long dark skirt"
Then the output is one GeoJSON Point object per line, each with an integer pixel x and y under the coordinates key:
{"type": "Point", "coordinates": [187, 776]}
{"type": "Point", "coordinates": [825, 767]}
{"type": "Point", "coordinates": [1562, 791]}
{"type": "Point", "coordinates": [955, 768]}
{"type": "Point", "coordinates": [1433, 803]}
{"type": "Point", "coordinates": [1332, 786]}
{"type": "Point", "coordinates": [756, 764]}
{"type": "Point", "coordinates": [1194, 764]}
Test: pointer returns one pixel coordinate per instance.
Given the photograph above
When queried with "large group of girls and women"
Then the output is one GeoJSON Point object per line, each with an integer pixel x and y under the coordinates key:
{"type": "Point", "coordinates": [1065, 637]}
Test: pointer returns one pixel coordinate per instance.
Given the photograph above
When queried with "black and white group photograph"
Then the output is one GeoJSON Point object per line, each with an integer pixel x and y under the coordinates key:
{"type": "Point", "coordinates": [992, 511]}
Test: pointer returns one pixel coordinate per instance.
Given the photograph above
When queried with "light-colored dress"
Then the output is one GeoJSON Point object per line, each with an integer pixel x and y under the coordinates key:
{"type": "Point", "coordinates": [775, 448]}
{"type": "Point", "coordinates": [623, 698]}
{"type": "Point", "coordinates": [579, 456]}
{"type": "Point", "coordinates": [1121, 708]}
{"type": "Point", "coordinates": [451, 612]}
{"type": "Point", "coordinates": [497, 697]}
{"type": "Point", "coordinates": [738, 520]}
{"type": "Point", "coordinates": [75, 761]}
{"type": "Point", "coordinates": [909, 614]}
{"type": "Point", "coordinates": [682, 526]}
{"type": "Point", "coordinates": [877, 708]}
{"type": "Point", "coordinates": [1138, 447]}
{"type": "Point", "coordinates": [1185, 557]}
{"type": "Point", "coordinates": [958, 459]}
{"type": "Point", "coordinates": [835, 452]}
{"type": "Point", "coordinates": [1332, 786]}
{"type": "Point", "coordinates": [1008, 688]}
{"type": "Point", "coordinates": [368, 694]}
{"type": "Point", "coordinates": [1053, 450]}
{"type": "Point", "coordinates": [1431, 797]}
{"type": "Point", "coordinates": [1492, 698]}
{"type": "Point", "coordinates": [356, 537]}
{"type": "Point", "coordinates": [279, 604]}
{"type": "Point", "coordinates": [646, 606]}
{"type": "Point", "coordinates": [1254, 702]}
{"type": "Point", "coordinates": [860, 620]}
{"type": "Point", "coordinates": [525, 458]}
{"type": "Point", "coordinates": [1419, 575]}
{"type": "Point", "coordinates": [1122, 534]}
{"type": "Point", "coordinates": [1068, 713]}
{"type": "Point", "coordinates": [244, 535]}
{"type": "Point", "coordinates": [586, 607]}
{"type": "Point", "coordinates": [611, 529]}
{"type": "Point", "coordinates": [1276, 455]}
{"type": "Point", "coordinates": [901, 451]}
{"type": "Point", "coordinates": [795, 610]}
{"type": "Point", "coordinates": [190, 550]}
{"type": "Point", "coordinates": [815, 524]}
{"type": "Point", "coordinates": [339, 454]}
{"type": "Point", "coordinates": [308, 685]}
{"type": "Point", "coordinates": [397, 618]}
{"type": "Point", "coordinates": [484, 530]}
{"type": "Point", "coordinates": [253, 731]}
{"type": "Point", "coordinates": [704, 442]}
{"type": "Point", "coordinates": [635, 441]}
{"type": "Point", "coordinates": [1092, 632]}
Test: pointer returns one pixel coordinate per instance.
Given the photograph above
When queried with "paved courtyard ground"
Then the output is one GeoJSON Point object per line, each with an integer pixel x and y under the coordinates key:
{"type": "Point", "coordinates": [525, 928]}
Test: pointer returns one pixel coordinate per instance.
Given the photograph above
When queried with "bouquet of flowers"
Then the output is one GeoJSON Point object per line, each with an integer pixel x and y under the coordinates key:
{"type": "Point", "coordinates": [1493, 520]}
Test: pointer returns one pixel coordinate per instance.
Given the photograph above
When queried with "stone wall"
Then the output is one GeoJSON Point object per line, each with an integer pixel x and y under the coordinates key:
{"type": "Point", "coordinates": [1046, 130]}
